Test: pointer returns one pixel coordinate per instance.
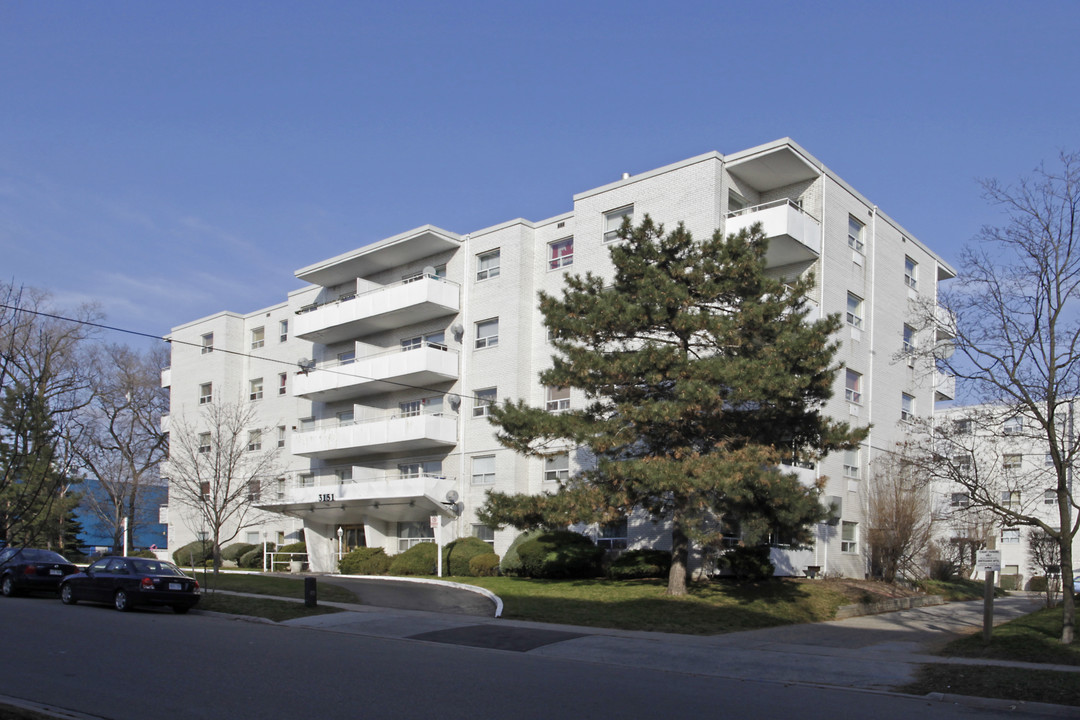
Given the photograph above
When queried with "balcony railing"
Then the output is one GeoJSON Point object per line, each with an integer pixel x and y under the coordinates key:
{"type": "Point", "coordinates": [383, 307]}
{"type": "Point", "coordinates": [794, 235]}
{"type": "Point", "coordinates": [328, 439]}
{"type": "Point", "coordinates": [423, 366]}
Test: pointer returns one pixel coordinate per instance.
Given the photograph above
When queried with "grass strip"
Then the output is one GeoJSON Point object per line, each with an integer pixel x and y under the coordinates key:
{"type": "Point", "coordinates": [1032, 638]}
{"type": "Point", "coordinates": [272, 585]}
{"type": "Point", "coordinates": [708, 609]}
{"type": "Point", "coordinates": [269, 608]}
{"type": "Point", "coordinates": [1004, 683]}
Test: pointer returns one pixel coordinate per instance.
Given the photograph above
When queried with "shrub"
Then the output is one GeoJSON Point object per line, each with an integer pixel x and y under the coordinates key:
{"type": "Point", "coordinates": [142, 554]}
{"type": "Point", "coordinates": [1011, 582]}
{"type": "Point", "coordinates": [235, 551]}
{"type": "Point", "coordinates": [1037, 584]}
{"type": "Point", "coordinates": [640, 564]}
{"type": "Point", "coordinates": [296, 547]}
{"type": "Point", "coordinates": [486, 565]}
{"type": "Point", "coordinates": [560, 554]}
{"type": "Point", "coordinates": [459, 552]}
{"type": "Point", "coordinates": [943, 570]}
{"type": "Point", "coordinates": [194, 553]}
{"type": "Point", "coordinates": [253, 559]}
{"type": "Point", "coordinates": [511, 561]}
{"type": "Point", "coordinates": [748, 563]}
{"type": "Point", "coordinates": [420, 559]}
{"type": "Point", "coordinates": [364, 561]}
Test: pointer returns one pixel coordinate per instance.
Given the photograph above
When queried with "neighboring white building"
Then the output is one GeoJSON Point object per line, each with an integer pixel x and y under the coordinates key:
{"type": "Point", "coordinates": [1007, 456]}
{"type": "Point", "coordinates": [377, 375]}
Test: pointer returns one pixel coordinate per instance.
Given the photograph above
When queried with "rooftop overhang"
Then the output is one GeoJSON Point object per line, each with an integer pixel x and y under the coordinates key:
{"type": "Point", "coordinates": [397, 500]}
{"type": "Point", "coordinates": [771, 167]}
{"type": "Point", "coordinates": [403, 249]}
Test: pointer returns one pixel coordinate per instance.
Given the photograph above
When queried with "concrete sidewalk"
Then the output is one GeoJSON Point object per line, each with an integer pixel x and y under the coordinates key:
{"type": "Point", "coordinates": [873, 652]}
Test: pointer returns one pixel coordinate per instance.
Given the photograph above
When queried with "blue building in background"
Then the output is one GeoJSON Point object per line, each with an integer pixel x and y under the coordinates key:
{"type": "Point", "coordinates": [149, 533]}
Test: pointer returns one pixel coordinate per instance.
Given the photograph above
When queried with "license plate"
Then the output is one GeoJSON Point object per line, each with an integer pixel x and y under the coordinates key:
{"type": "Point", "coordinates": [176, 586]}
{"type": "Point", "coordinates": [56, 571]}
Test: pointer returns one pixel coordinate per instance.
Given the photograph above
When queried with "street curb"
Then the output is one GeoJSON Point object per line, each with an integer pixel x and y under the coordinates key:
{"type": "Point", "coordinates": [46, 710]}
{"type": "Point", "coordinates": [875, 608]}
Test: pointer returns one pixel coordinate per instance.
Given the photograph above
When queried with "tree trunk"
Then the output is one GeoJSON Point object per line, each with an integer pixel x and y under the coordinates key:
{"type": "Point", "coordinates": [1068, 604]}
{"type": "Point", "coordinates": [680, 553]}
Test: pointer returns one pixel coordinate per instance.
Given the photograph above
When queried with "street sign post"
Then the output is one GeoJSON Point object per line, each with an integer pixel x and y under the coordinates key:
{"type": "Point", "coordinates": [989, 561]}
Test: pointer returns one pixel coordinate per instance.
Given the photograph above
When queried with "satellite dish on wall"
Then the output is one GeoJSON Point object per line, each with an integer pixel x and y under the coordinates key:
{"type": "Point", "coordinates": [451, 496]}
{"type": "Point", "coordinates": [455, 402]}
{"type": "Point", "coordinates": [429, 270]}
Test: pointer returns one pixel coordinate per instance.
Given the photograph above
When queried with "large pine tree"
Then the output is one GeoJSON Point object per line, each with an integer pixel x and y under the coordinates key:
{"type": "Point", "coordinates": [702, 375]}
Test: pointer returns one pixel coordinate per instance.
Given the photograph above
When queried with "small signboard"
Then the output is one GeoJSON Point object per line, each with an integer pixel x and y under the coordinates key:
{"type": "Point", "coordinates": [988, 560]}
{"type": "Point", "coordinates": [163, 514]}
{"type": "Point", "coordinates": [434, 521]}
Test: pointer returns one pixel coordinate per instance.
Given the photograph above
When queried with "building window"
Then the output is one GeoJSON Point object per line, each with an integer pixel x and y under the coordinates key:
{"type": "Point", "coordinates": [907, 407]}
{"type": "Point", "coordinates": [911, 273]}
{"type": "Point", "coordinates": [414, 533]}
{"type": "Point", "coordinates": [730, 531]}
{"type": "Point", "coordinates": [1048, 460]}
{"type": "Point", "coordinates": [410, 408]}
{"type": "Point", "coordinates": [254, 490]}
{"type": "Point", "coordinates": [1010, 500]}
{"type": "Point", "coordinates": [204, 443]}
{"type": "Point", "coordinates": [1013, 426]}
{"type": "Point", "coordinates": [208, 343]}
{"type": "Point", "coordinates": [852, 465]}
{"type": "Point", "coordinates": [1050, 497]}
{"type": "Point", "coordinates": [963, 426]}
{"type": "Point", "coordinates": [487, 265]}
{"type": "Point", "coordinates": [909, 339]}
{"type": "Point", "coordinates": [613, 535]}
{"type": "Point", "coordinates": [206, 393]}
{"type": "Point", "coordinates": [345, 417]}
{"type": "Point", "coordinates": [258, 338]}
{"type": "Point", "coordinates": [305, 480]}
{"type": "Point", "coordinates": [854, 311]}
{"type": "Point", "coordinates": [204, 491]}
{"type": "Point", "coordinates": [853, 387]}
{"type": "Point", "coordinates": [434, 340]}
{"type": "Point", "coordinates": [855, 234]}
{"type": "Point", "coordinates": [283, 331]}
{"type": "Point", "coordinates": [483, 470]}
{"type": "Point", "coordinates": [960, 500]}
{"type": "Point", "coordinates": [1011, 462]}
{"type": "Point", "coordinates": [255, 440]}
{"type": "Point", "coordinates": [255, 389]}
{"type": "Point", "coordinates": [487, 333]}
{"type": "Point", "coordinates": [281, 436]}
{"type": "Point", "coordinates": [346, 358]}
{"type": "Point", "coordinates": [344, 475]}
{"type": "Point", "coordinates": [613, 220]}
{"type": "Point", "coordinates": [484, 533]}
{"type": "Point", "coordinates": [849, 537]}
{"type": "Point", "coordinates": [558, 399]}
{"type": "Point", "coordinates": [283, 383]}
{"type": "Point", "coordinates": [963, 462]}
{"type": "Point", "coordinates": [1010, 536]}
{"type": "Point", "coordinates": [561, 253]}
{"type": "Point", "coordinates": [557, 468]}
{"type": "Point", "coordinates": [483, 400]}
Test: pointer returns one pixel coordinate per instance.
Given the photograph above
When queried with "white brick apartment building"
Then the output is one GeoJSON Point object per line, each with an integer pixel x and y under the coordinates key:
{"type": "Point", "coordinates": [409, 337]}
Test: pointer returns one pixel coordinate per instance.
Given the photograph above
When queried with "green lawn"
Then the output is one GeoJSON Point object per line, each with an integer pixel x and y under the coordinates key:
{"type": "Point", "coordinates": [1032, 638]}
{"type": "Point", "coordinates": [272, 585]}
{"type": "Point", "coordinates": [710, 608]}
{"type": "Point", "coordinates": [264, 607]}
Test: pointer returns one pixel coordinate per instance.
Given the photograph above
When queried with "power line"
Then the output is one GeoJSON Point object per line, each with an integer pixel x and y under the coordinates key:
{"type": "Point", "coordinates": [172, 341]}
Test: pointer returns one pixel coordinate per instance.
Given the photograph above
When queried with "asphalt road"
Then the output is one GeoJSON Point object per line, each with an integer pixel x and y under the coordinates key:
{"type": "Point", "coordinates": [154, 664]}
{"type": "Point", "coordinates": [401, 594]}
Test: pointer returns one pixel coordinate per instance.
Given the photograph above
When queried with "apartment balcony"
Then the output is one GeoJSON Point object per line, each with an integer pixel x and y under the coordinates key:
{"type": "Point", "coordinates": [794, 237]}
{"type": "Point", "coordinates": [331, 440]}
{"type": "Point", "coordinates": [807, 475]}
{"type": "Point", "coordinates": [166, 377]}
{"type": "Point", "coordinates": [424, 366]}
{"type": "Point", "coordinates": [944, 386]}
{"type": "Point", "coordinates": [382, 308]}
{"type": "Point", "coordinates": [165, 422]}
{"type": "Point", "coordinates": [393, 498]}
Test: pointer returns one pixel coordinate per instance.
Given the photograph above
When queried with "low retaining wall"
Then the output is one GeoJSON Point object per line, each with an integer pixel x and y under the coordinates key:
{"type": "Point", "coordinates": [884, 606]}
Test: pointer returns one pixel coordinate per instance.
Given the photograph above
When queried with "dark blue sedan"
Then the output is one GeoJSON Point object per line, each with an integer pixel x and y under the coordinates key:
{"type": "Point", "coordinates": [127, 582]}
{"type": "Point", "coordinates": [32, 570]}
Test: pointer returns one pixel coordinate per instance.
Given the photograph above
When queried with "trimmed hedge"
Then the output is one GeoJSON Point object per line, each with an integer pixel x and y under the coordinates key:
{"type": "Point", "coordinates": [486, 565]}
{"type": "Point", "coordinates": [511, 561]}
{"type": "Point", "coordinates": [196, 552]}
{"type": "Point", "coordinates": [143, 554]}
{"type": "Point", "coordinates": [748, 563]}
{"type": "Point", "coordinates": [560, 554]}
{"type": "Point", "coordinates": [365, 561]}
{"type": "Point", "coordinates": [420, 559]}
{"type": "Point", "coordinates": [457, 554]}
{"type": "Point", "coordinates": [235, 551]}
{"type": "Point", "coordinates": [296, 547]}
{"type": "Point", "coordinates": [253, 559]}
{"type": "Point", "coordinates": [640, 564]}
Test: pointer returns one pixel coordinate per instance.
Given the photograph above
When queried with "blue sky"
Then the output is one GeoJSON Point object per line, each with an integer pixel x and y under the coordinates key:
{"type": "Point", "coordinates": [171, 160]}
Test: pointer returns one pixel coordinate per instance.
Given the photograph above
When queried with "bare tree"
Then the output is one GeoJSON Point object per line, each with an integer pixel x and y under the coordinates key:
{"type": "Point", "coordinates": [1044, 556]}
{"type": "Point", "coordinates": [218, 467]}
{"type": "Point", "coordinates": [43, 385]}
{"type": "Point", "coordinates": [899, 521]}
{"type": "Point", "coordinates": [1017, 353]}
{"type": "Point", "coordinates": [121, 443]}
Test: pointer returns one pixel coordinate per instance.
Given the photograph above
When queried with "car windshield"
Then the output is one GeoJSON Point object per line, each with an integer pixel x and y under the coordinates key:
{"type": "Point", "coordinates": [155, 567]}
{"type": "Point", "coordinates": [31, 555]}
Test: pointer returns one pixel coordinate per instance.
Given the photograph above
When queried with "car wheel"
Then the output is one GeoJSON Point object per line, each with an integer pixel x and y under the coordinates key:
{"type": "Point", "coordinates": [121, 601]}
{"type": "Point", "coordinates": [7, 586]}
{"type": "Point", "coordinates": [180, 609]}
{"type": "Point", "coordinates": [67, 594]}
